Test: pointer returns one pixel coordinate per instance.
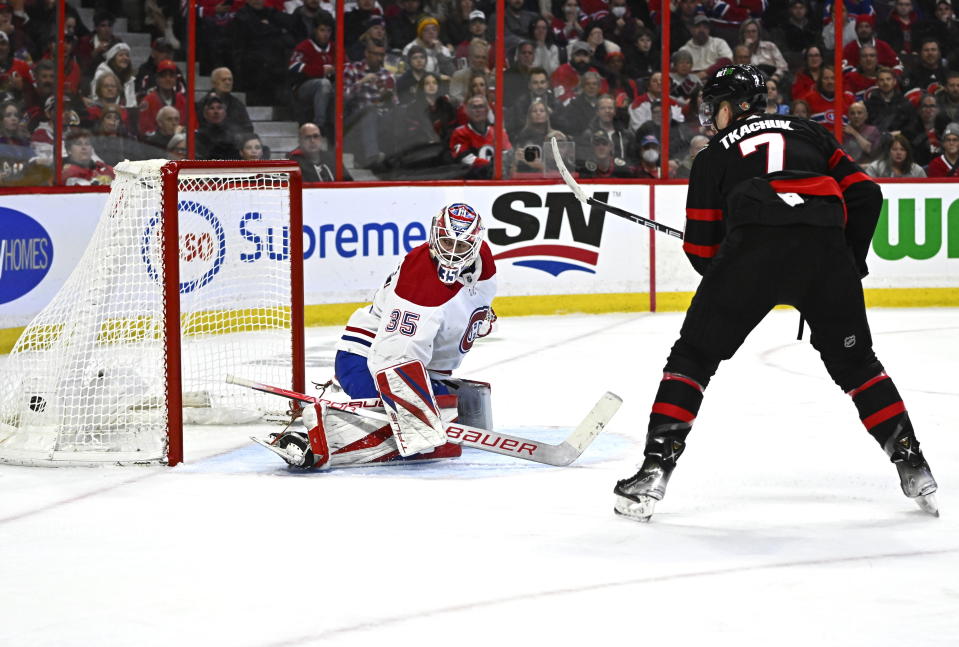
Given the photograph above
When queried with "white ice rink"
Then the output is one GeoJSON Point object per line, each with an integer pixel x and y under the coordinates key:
{"type": "Point", "coordinates": [783, 525]}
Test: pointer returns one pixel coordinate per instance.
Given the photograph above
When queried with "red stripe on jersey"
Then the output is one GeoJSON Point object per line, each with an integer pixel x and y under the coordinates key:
{"type": "Point", "coordinates": [564, 251]}
{"type": "Point", "coordinates": [884, 414]}
{"type": "Point", "coordinates": [868, 383]}
{"type": "Point", "coordinates": [361, 331]}
{"type": "Point", "coordinates": [852, 178]}
{"type": "Point", "coordinates": [822, 185]}
{"type": "Point", "coordinates": [838, 156]}
{"type": "Point", "coordinates": [685, 380]}
{"type": "Point", "coordinates": [706, 251]}
{"type": "Point", "coordinates": [673, 411]}
{"type": "Point", "coordinates": [704, 214]}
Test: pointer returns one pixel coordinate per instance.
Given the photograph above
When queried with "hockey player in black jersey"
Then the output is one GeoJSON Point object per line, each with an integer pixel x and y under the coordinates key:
{"type": "Point", "coordinates": [777, 213]}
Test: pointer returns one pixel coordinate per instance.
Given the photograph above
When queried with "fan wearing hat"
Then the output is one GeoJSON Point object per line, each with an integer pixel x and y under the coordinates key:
{"type": "Point", "coordinates": [118, 62]}
{"type": "Point", "coordinates": [475, 28]}
{"type": "Point", "coordinates": [215, 139]}
{"type": "Point", "coordinates": [164, 94]}
{"type": "Point", "coordinates": [374, 30]}
{"type": "Point", "coordinates": [866, 35]}
{"type": "Point", "coordinates": [947, 164]}
{"type": "Point", "coordinates": [706, 50]}
{"type": "Point", "coordinates": [160, 50]}
{"type": "Point", "coordinates": [600, 162]}
{"type": "Point", "coordinates": [439, 58]}
{"type": "Point", "coordinates": [566, 78]}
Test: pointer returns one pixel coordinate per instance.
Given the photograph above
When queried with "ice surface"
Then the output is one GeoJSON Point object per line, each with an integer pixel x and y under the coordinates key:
{"type": "Point", "coordinates": [783, 524]}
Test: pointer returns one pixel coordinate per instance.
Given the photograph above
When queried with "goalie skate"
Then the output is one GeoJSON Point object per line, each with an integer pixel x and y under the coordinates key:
{"type": "Point", "coordinates": [292, 447]}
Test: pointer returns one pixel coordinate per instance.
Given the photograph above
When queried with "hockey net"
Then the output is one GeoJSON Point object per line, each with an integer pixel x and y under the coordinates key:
{"type": "Point", "coordinates": [194, 272]}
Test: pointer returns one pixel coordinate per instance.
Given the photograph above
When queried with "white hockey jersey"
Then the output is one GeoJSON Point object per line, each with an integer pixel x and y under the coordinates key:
{"type": "Point", "coordinates": [416, 316]}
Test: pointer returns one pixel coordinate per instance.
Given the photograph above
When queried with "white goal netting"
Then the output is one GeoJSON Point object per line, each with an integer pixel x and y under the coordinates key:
{"type": "Point", "coordinates": [87, 380]}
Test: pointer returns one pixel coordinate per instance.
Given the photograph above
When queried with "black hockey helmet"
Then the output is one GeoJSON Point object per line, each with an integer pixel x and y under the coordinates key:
{"type": "Point", "coordinates": [743, 86]}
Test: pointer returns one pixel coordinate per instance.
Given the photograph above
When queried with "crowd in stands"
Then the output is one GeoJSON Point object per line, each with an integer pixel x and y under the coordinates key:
{"type": "Point", "coordinates": [418, 84]}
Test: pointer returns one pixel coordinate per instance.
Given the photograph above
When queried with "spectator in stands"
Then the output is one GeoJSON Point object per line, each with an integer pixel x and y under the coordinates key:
{"type": "Point", "coordinates": [681, 169]}
{"type": "Point", "coordinates": [797, 32]}
{"type": "Point", "coordinates": [641, 60]}
{"type": "Point", "coordinates": [946, 164]}
{"type": "Point", "coordinates": [460, 26]}
{"type": "Point", "coordinates": [369, 93]}
{"type": "Point", "coordinates": [251, 147]}
{"type": "Point", "coordinates": [945, 29]}
{"type": "Point", "coordinates": [356, 20]}
{"type": "Point", "coordinates": [948, 101]}
{"type": "Point", "coordinates": [865, 35]}
{"type": "Point", "coordinates": [472, 144]}
{"type": "Point", "coordinates": [924, 137]}
{"type": "Point", "coordinates": [14, 74]}
{"type": "Point", "coordinates": [681, 23]}
{"type": "Point", "coordinates": [706, 50]}
{"type": "Point", "coordinates": [600, 162]}
{"type": "Point", "coordinates": [853, 10]}
{"type": "Point", "coordinates": [619, 25]}
{"type": "Point", "coordinates": [117, 61]}
{"type": "Point", "coordinates": [533, 140]}
{"type": "Point", "coordinates": [800, 108]}
{"type": "Point", "coordinates": [623, 89]}
{"type": "Point", "coordinates": [476, 28]}
{"type": "Point", "coordinates": [160, 50]}
{"type": "Point", "coordinates": [860, 80]}
{"type": "Point", "coordinates": [42, 136]}
{"type": "Point", "coordinates": [928, 74]}
{"type": "Point", "coordinates": [106, 92]}
{"type": "Point", "coordinates": [516, 20]}
{"type": "Point", "coordinates": [575, 117]}
{"type": "Point", "coordinates": [12, 26]}
{"type": "Point", "coordinates": [599, 46]}
{"type": "Point", "coordinates": [406, 84]}
{"type": "Point", "coordinates": [648, 146]}
{"type": "Point", "coordinates": [682, 80]}
{"type": "Point", "coordinates": [537, 89]}
{"type": "Point", "coordinates": [889, 110]}
{"type": "Point", "coordinates": [860, 140]}
{"type": "Point", "coordinates": [164, 94]}
{"type": "Point", "coordinates": [680, 134]}
{"type": "Point", "coordinates": [176, 147]}
{"type": "Point", "coordinates": [477, 64]}
{"type": "Point", "coordinates": [237, 116]}
{"type": "Point", "coordinates": [822, 99]}
{"type": "Point", "coordinates": [316, 164]}
{"type": "Point", "coordinates": [604, 120]}
{"type": "Point", "coordinates": [896, 161]}
{"type": "Point", "coordinates": [568, 25]}
{"type": "Point", "coordinates": [167, 126]}
{"type": "Point", "coordinates": [478, 87]}
{"type": "Point", "coordinates": [312, 70]}
{"type": "Point", "coordinates": [900, 28]}
{"type": "Point", "coordinates": [516, 78]}
{"type": "Point", "coordinates": [741, 55]}
{"type": "Point", "coordinates": [546, 53]}
{"type": "Point", "coordinates": [375, 32]}
{"type": "Point", "coordinates": [439, 58]}
{"type": "Point", "coordinates": [566, 78]}
{"type": "Point", "coordinates": [807, 77]}
{"type": "Point", "coordinates": [401, 28]}
{"type": "Point", "coordinates": [304, 19]}
{"type": "Point", "coordinates": [80, 168]}
{"type": "Point", "coordinates": [640, 111]}
{"type": "Point", "coordinates": [111, 140]}
{"type": "Point", "coordinates": [774, 101]}
{"type": "Point", "coordinates": [764, 54]}
{"type": "Point", "coordinates": [260, 39]}
{"type": "Point", "coordinates": [215, 139]}
{"type": "Point", "coordinates": [423, 127]}
{"type": "Point", "coordinates": [92, 48]}
{"type": "Point", "coordinates": [16, 155]}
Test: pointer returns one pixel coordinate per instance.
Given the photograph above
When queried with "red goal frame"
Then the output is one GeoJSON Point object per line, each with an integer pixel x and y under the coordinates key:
{"type": "Point", "coordinates": [170, 174]}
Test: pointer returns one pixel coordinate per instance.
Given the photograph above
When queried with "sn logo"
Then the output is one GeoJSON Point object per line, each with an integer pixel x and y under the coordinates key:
{"type": "Point", "coordinates": [561, 207]}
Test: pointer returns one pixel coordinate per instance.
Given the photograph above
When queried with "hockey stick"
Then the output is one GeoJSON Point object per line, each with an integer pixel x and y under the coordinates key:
{"type": "Point", "coordinates": [585, 199]}
{"type": "Point", "coordinates": [488, 441]}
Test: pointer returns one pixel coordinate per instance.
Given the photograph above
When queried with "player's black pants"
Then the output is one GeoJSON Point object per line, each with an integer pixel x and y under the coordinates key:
{"type": "Point", "coordinates": [757, 268]}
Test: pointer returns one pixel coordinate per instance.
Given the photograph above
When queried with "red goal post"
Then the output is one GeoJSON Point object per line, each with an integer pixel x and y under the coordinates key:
{"type": "Point", "coordinates": [195, 271]}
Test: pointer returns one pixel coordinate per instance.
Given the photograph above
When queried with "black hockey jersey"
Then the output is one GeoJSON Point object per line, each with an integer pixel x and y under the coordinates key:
{"type": "Point", "coordinates": [804, 177]}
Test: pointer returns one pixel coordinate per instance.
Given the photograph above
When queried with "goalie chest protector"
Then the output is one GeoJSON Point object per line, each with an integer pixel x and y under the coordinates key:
{"type": "Point", "coordinates": [416, 316]}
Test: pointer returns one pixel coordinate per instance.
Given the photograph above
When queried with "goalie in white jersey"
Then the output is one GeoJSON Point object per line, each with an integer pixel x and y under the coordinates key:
{"type": "Point", "coordinates": [404, 346]}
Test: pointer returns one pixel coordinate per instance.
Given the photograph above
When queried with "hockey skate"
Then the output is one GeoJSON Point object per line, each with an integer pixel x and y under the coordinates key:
{"type": "Point", "coordinates": [636, 496]}
{"type": "Point", "coordinates": [292, 446]}
{"type": "Point", "coordinates": [915, 477]}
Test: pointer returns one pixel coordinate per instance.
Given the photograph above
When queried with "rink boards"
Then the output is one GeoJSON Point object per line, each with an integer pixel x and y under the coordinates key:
{"type": "Point", "coordinates": [546, 244]}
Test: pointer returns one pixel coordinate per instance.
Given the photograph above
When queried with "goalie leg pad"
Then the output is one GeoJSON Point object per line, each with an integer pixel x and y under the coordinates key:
{"type": "Point", "coordinates": [414, 414]}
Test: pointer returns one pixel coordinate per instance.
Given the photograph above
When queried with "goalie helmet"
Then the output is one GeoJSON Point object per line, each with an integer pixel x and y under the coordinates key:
{"type": "Point", "coordinates": [743, 86]}
{"type": "Point", "coordinates": [455, 239]}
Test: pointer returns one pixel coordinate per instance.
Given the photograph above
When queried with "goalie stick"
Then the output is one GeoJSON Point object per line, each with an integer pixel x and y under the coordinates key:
{"type": "Point", "coordinates": [484, 439]}
{"type": "Point", "coordinates": [585, 199]}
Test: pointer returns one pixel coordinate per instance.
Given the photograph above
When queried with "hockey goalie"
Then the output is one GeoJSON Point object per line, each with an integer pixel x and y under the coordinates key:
{"type": "Point", "coordinates": [397, 355]}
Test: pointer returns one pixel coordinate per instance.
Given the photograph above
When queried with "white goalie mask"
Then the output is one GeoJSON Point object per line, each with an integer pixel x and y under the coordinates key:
{"type": "Point", "coordinates": [455, 239]}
